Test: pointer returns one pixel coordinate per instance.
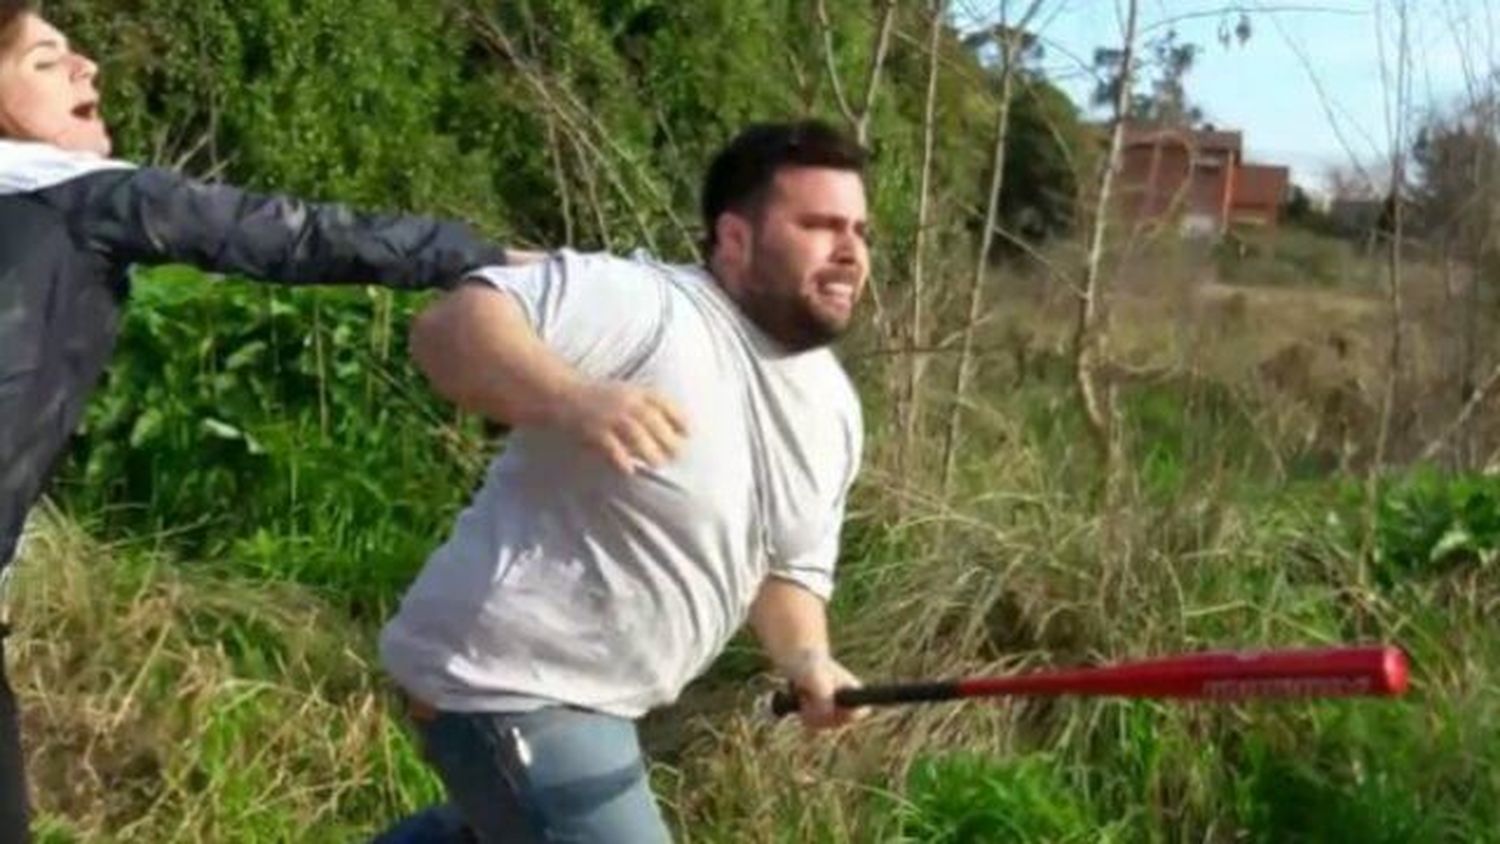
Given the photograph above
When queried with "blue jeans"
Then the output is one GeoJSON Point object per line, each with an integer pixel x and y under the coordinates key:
{"type": "Point", "coordinates": [557, 774]}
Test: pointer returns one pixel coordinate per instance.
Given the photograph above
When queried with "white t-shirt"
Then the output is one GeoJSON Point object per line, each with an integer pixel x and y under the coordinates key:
{"type": "Point", "coordinates": [568, 581]}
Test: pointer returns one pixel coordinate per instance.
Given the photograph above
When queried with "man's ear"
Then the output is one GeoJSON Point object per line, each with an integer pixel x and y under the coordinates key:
{"type": "Point", "coordinates": [732, 234]}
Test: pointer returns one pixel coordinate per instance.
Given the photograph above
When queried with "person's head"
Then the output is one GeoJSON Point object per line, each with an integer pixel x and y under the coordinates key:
{"type": "Point", "coordinates": [47, 90]}
{"type": "Point", "coordinates": [785, 212]}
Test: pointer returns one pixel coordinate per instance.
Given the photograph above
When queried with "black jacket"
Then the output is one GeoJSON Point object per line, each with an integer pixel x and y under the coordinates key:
{"type": "Point", "coordinates": [71, 226]}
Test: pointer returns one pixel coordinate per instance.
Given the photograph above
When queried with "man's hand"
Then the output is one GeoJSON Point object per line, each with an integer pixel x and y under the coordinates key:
{"type": "Point", "coordinates": [815, 676]}
{"type": "Point", "coordinates": [631, 426]}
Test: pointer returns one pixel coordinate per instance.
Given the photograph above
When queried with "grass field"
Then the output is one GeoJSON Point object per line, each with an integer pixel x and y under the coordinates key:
{"type": "Point", "coordinates": [211, 677]}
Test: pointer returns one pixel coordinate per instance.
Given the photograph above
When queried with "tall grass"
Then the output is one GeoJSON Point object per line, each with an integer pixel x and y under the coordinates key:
{"type": "Point", "coordinates": [1216, 550]}
{"type": "Point", "coordinates": [164, 704]}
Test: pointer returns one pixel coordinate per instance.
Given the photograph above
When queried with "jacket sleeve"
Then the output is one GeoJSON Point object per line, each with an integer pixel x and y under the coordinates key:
{"type": "Point", "coordinates": [156, 216]}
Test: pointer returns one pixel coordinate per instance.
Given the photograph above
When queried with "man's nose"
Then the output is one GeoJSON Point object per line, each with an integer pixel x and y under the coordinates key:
{"type": "Point", "coordinates": [846, 249]}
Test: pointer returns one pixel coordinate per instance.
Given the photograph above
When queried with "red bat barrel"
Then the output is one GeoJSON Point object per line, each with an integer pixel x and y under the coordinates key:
{"type": "Point", "coordinates": [1376, 671]}
{"type": "Point", "coordinates": [1323, 672]}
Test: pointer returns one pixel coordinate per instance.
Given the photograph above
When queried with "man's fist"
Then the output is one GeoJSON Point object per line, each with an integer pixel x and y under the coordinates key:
{"type": "Point", "coordinates": [815, 676]}
{"type": "Point", "coordinates": [631, 426]}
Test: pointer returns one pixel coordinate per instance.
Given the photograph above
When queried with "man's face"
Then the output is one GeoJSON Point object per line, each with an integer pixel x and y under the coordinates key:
{"type": "Point", "coordinates": [804, 261]}
{"type": "Point", "coordinates": [47, 92]}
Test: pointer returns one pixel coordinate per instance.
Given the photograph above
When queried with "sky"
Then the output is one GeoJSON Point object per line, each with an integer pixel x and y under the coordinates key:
{"type": "Point", "coordinates": [1312, 88]}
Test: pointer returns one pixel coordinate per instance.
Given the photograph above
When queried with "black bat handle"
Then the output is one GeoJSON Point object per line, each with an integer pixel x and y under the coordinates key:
{"type": "Point", "coordinates": [785, 702]}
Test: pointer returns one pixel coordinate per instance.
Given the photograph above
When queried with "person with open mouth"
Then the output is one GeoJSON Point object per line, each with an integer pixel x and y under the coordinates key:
{"type": "Point", "coordinates": [72, 221]}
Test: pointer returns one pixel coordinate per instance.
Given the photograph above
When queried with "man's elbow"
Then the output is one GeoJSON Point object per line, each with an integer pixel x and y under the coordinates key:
{"type": "Point", "coordinates": [421, 339]}
{"type": "Point", "coordinates": [431, 341]}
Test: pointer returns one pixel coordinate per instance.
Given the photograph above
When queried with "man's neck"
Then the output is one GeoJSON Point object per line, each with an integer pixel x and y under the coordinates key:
{"type": "Point", "coordinates": [732, 292]}
{"type": "Point", "coordinates": [717, 273]}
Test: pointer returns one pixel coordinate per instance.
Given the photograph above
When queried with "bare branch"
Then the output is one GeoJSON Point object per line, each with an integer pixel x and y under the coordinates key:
{"type": "Point", "coordinates": [1396, 100]}
{"type": "Point", "coordinates": [1475, 403]}
{"type": "Point", "coordinates": [591, 190]}
{"type": "Point", "coordinates": [1173, 20]}
{"type": "Point", "coordinates": [877, 61]}
{"type": "Point", "coordinates": [554, 152]}
{"type": "Point", "coordinates": [583, 126]}
{"type": "Point", "coordinates": [1089, 334]}
{"type": "Point", "coordinates": [1012, 42]}
{"type": "Point", "coordinates": [911, 424]}
{"type": "Point", "coordinates": [825, 24]}
{"type": "Point", "coordinates": [1325, 100]}
{"type": "Point", "coordinates": [1397, 121]}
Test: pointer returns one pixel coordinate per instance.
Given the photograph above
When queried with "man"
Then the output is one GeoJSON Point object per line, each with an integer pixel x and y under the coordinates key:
{"type": "Point", "coordinates": [683, 445]}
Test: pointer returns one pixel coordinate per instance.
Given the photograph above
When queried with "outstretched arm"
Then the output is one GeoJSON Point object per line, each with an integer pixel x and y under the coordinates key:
{"type": "Point", "coordinates": [158, 216]}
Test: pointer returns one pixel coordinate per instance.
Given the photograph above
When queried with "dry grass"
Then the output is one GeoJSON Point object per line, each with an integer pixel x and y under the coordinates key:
{"type": "Point", "coordinates": [164, 704]}
{"type": "Point", "coordinates": [1033, 577]}
{"type": "Point", "coordinates": [1309, 361]}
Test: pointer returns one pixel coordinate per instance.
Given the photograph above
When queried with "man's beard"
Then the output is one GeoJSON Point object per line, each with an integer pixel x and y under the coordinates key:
{"type": "Point", "coordinates": [773, 300]}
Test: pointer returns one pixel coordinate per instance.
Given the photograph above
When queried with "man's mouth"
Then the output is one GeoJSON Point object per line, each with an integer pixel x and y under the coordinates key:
{"type": "Point", "coordinates": [839, 289]}
{"type": "Point", "coordinates": [88, 110]}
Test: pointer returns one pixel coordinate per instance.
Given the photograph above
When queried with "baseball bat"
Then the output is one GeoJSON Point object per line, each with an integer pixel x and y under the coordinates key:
{"type": "Point", "coordinates": [1364, 671]}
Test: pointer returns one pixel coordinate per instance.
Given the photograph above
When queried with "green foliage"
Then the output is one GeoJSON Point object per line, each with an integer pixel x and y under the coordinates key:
{"type": "Point", "coordinates": [1428, 522]}
{"type": "Point", "coordinates": [1292, 801]}
{"type": "Point", "coordinates": [975, 799]}
{"type": "Point", "coordinates": [373, 107]}
{"type": "Point", "coordinates": [1456, 158]}
{"type": "Point", "coordinates": [1358, 772]}
{"type": "Point", "coordinates": [1379, 773]}
{"type": "Point", "coordinates": [1048, 157]}
{"type": "Point", "coordinates": [1187, 431]}
{"type": "Point", "coordinates": [278, 433]}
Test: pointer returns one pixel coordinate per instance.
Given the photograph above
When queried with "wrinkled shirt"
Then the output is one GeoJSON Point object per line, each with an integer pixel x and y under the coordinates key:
{"type": "Point", "coordinates": [566, 580]}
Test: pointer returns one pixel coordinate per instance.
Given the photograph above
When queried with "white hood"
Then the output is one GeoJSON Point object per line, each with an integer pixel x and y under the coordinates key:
{"type": "Point", "coordinates": [27, 167]}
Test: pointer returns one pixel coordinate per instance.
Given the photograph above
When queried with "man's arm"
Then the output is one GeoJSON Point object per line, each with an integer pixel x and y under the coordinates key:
{"type": "Point", "coordinates": [478, 350]}
{"type": "Point", "coordinates": [792, 625]}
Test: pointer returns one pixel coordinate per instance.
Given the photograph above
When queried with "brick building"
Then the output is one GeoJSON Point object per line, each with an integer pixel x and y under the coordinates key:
{"type": "Point", "coordinates": [1199, 177]}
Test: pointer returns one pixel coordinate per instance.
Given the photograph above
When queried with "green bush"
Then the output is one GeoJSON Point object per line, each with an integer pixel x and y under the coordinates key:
{"type": "Point", "coordinates": [1428, 522]}
{"type": "Point", "coordinates": [282, 433]}
{"type": "Point", "coordinates": [976, 799]}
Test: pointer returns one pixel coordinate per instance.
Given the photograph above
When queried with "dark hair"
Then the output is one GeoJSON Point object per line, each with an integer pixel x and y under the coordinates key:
{"type": "Point", "coordinates": [11, 12]}
{"type": "Point", "coordinates": [742, 172]}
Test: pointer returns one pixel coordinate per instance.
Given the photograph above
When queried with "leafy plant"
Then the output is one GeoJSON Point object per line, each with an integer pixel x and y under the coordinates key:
{"type": "Point", "coordinates": [280, 433]}
{"type": "Point", "coordinates": [973, 798]}
{"type": "Point", "coordinates": [1429, 522]}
